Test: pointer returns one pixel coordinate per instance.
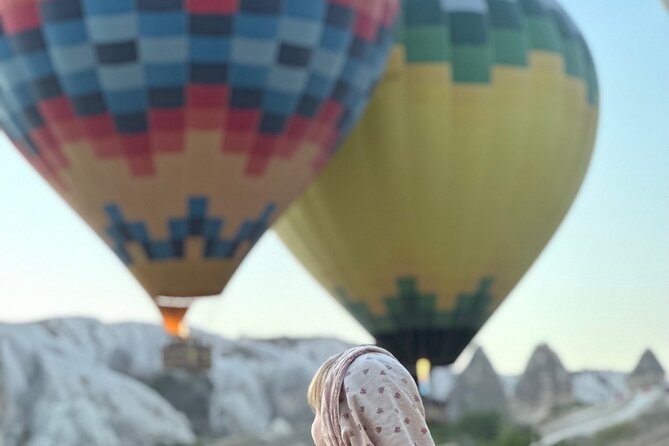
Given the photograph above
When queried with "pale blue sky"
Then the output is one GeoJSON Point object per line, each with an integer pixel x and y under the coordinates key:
{"type": "Point", "coordinates": [599, 294]}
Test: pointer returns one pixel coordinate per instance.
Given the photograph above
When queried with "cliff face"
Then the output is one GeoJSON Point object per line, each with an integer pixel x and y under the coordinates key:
{"type": "Point", "coordinates": [477, 389]}
{"type": "Point", "coordinates": [544, 385]}
{"type": "Point", "coordinates": [56, 392]}
{"type": "Point", "coordinates": [80, 382]}
{"type": "Point", "coordinates": [648, 372]}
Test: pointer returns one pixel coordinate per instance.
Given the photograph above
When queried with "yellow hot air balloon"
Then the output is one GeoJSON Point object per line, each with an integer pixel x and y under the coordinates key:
{"type": "Point", "coordinates": [468, 158]}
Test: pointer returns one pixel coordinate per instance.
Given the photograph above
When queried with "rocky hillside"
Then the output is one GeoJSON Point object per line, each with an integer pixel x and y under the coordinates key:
{"type": "Point", "coordinates": [80, 382]}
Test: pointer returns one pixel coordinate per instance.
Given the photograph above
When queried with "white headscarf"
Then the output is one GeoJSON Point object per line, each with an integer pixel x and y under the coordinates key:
{"type": "Point", "coordinates": [369, 399]}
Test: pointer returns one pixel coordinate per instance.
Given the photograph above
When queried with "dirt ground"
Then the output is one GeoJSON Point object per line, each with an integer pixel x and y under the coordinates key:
{"type": "Point", "coordinates": [299, 439]}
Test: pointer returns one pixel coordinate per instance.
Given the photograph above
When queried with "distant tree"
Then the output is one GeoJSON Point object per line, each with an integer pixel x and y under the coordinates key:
{"type": "Point", "coordinates": [484, 429]}
{"type": "Point", "coordinates": [483, 426]}
{"type": "Point", "coordinates": [516, 436]}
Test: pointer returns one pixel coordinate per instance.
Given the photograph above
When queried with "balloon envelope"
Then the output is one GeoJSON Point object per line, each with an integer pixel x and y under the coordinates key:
{"type": "Point", "coordinates": [466, 161]}
{"type": "Point", "coordinates": [180, 129]}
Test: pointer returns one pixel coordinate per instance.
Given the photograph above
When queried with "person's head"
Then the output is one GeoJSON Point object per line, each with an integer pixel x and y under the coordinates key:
{"type": "Point", "coordinates": [364, 397]}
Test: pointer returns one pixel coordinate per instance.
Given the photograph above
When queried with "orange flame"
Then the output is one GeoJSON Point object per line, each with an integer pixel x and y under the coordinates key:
{"type": "Point", "coordinates": [173, 320]}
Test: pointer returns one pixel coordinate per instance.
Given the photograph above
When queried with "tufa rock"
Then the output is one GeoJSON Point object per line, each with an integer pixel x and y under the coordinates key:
{"type": "Point", "coordinates": [648, 372]}
{"type": "Point", "coordinates": [544, 386]}
{"type": "Point", "coordinates": [477, 389]}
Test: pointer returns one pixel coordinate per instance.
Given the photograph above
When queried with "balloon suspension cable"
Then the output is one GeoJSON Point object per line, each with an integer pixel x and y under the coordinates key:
{"type": "Point", "coordinates": [423, 369]}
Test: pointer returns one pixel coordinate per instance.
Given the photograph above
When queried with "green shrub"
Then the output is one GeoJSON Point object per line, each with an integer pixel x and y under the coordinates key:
{"type": "Point", "coordinates": [617, 432]}
{"type": "Point", "coordinates": [516, 436]}
{"type": "Point", "coordinates": [483, 426]}
{"type": "Point", "coordinates": [483, 429]}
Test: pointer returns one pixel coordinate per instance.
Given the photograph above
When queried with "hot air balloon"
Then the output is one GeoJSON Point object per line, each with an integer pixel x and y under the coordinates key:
{"type": "Point", "coordinates": [180, 129]}
{"type": "Point", "coordinates": [469, 156]}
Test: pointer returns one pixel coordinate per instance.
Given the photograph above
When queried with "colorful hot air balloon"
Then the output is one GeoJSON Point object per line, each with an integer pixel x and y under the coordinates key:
{"type": "Point", "coordinates": [466, 161]}
{"type": "Point", "coordinates": [180, 129]}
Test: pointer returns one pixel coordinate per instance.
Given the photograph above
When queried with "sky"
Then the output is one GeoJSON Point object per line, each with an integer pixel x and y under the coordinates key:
{"type": "Point", "coordinates": [598, 294]}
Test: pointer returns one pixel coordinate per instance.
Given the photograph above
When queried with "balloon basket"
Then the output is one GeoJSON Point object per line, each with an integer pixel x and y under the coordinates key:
{"type": "Point", "coordinates": [187, 354]}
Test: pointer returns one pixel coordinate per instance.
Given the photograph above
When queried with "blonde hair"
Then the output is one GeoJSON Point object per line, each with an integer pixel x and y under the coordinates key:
{"type": "Point", "coordinates": [315, 391]}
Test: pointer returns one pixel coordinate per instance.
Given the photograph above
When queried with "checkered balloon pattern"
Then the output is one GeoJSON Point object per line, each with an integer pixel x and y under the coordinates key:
{"type": "Point", "coordinates": [180, 129]}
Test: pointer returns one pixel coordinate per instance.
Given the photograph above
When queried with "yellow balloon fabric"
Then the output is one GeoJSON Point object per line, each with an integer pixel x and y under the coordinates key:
{"type": "Point", "coordinates": [466, 161]}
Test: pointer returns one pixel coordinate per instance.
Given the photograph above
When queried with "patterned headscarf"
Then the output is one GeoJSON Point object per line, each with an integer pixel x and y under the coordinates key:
{"type": "Point", "coordinates": [369, 399]}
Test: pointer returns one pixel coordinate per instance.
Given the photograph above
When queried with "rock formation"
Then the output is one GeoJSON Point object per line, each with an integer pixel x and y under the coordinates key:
{"type": "Point", "coordinates": [648, 372]}
{"type": "Point", "coordinates": [56, 394]}
{"type": "Point", "coordinates": [80, 382]}
{"type": "Point", "coordinates": [477, 389]}
{"type": "Point", "coordinates": [544, 385]}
